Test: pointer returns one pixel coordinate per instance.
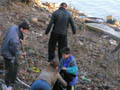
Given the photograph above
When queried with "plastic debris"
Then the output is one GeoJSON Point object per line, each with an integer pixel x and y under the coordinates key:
{"type": "Point", "coordinates": [86, 79]}
{"type": "Point", "coordinates": [35, 69]}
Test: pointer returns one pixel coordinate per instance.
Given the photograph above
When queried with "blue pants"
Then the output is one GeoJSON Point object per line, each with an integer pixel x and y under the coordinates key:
{"type": "Point", "coordinates": [40, 85]}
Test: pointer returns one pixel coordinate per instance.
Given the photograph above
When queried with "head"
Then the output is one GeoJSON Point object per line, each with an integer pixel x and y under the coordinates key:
{"type": "Point", "coordinates": [64, 5]}
{"type": "Point", "coordinates": [66, 53]}
{"type": "Point", "coordinates": [54, 64]}
{"type": "Point", "coordinates": [24, 27]}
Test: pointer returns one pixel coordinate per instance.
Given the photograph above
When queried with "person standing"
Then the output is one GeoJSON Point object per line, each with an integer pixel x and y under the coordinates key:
{"type": "Point", "coordinates": [61, 19]}
{"type": "Point", "coordinates": [10, 51]}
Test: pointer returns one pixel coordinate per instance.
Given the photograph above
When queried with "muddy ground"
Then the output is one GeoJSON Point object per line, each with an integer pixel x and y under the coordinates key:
{"type": "Point", "coordinates": [91, 49]}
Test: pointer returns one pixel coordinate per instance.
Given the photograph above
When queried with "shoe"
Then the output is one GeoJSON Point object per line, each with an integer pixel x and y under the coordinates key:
{"type": "Point", "coordinates": [9, 88]}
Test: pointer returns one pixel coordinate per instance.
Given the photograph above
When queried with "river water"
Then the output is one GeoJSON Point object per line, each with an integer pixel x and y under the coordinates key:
{"type": "Point", "coordinates": [96, 8]}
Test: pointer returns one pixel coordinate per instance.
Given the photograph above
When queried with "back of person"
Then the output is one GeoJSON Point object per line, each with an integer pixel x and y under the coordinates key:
{"type": "Point", "coordinates": [11, 35]}
{"type": "Point", "coordinates": [61, 21]}
{"type": "Point", "coordinates": [47, 78]}
{"type": "Point", "coordinates": [48, 74]}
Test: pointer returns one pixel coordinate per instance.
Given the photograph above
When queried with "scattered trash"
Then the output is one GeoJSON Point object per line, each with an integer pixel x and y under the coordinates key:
{"type": "Point", "coordinates": [86, 79]}
{"type": "Point", "coordinates": [81, 43]}
{"type": "Point", "coordinates": [35, 69]}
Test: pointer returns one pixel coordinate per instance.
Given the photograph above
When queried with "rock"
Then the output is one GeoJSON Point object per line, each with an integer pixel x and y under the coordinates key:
{"type": "Point", "coordinates": [113, 42]}
{"type": "Point", "coordinates": [103, 65]}
{"type": "Point", "coordinates": [47, 22]}
{"type": "Point", "coordinates": [34, 20]}
{"type": "Point", "coordinates": [100, 75]}
{"type": "Point", "coordinates": [31, 52]}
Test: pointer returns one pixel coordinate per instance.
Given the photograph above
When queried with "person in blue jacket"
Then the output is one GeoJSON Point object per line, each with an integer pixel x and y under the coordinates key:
{"type": "Point", "coordinates": [10, 51]}
{"type": "Point", "coordinates": [68, 68]}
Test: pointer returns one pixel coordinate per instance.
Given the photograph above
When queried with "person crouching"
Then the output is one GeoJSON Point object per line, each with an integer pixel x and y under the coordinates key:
{"type": "Point", "coordinates": [48, 77]}
{"type": "Point", "coordinates": [68, 69]}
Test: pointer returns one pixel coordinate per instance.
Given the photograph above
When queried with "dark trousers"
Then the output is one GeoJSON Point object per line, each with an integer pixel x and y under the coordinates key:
{"type": "Point", "coordinates": [67, 77]}
{"type": "Point", "coordinates": [54, 39]}
{"type": "Point", "coordinates": [11, 67]}
{"type": "Point", "coordinates": [59, 86]}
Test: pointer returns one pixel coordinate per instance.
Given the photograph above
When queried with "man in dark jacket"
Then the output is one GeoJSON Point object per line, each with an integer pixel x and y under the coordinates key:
{"type": "Point", "coordinates": [61, 19]}
{"type": "Point", "coordinates": [10, 51]}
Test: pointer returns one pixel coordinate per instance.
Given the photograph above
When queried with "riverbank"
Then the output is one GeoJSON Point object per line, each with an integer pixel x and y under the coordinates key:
{"type": "Point", "coordinates": [91, 49]}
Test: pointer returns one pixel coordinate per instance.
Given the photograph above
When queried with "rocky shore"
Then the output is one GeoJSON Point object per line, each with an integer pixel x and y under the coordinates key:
{"type": "Point", "coordinates": [91, 49]}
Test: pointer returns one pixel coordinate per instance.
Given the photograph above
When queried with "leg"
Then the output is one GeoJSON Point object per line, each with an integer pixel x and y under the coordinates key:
{"type": "Point", "coordinates": [62, 43]}
{"type": "Point", "coordinates": [9, 71]}
{"type": "Point", "coordinates": [66, 76]}
{"type": "Point", "coordinates": [7, 74]}
{"type": "Point", "coordinates": [69, 87]}
{"type": "Point", "coordinates": [52, 46]}
{"type": "Point", "coordinates": [15, 70]}
{"type": "Point", "coordinates": [57, 86]}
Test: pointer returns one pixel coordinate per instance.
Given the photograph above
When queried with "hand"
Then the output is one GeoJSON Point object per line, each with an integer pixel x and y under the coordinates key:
{"type": "Point", "coordinates": [64, 68]}
{"type": "Point", "coordinates": [24, 54]}
{"type": "Point", "coordinates": [66, 84]}
{"type": "Point", "coordinates": [23, 42]}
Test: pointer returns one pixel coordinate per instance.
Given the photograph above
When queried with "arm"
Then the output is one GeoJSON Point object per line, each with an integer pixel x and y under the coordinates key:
{"type": "Point", "coordinates": [61, 80]}
{"type": "Point", "coordinates": [72, 24]}
{"type": "Point", "coordinates": [72, 70]}
{"type": "Point", "coordinates": [50, 24]}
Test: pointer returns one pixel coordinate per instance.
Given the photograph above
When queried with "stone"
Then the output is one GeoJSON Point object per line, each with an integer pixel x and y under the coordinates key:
{"type": "Point", "coordinates": [34, 20]}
